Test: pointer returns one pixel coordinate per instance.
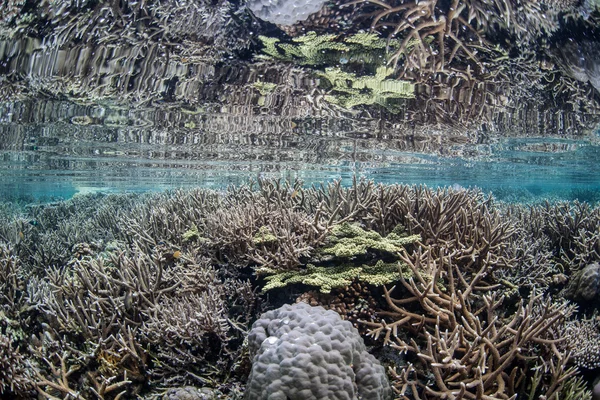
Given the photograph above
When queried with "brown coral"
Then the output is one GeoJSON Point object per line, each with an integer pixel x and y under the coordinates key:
{"type": "Point", "coordinates": [461, 334]}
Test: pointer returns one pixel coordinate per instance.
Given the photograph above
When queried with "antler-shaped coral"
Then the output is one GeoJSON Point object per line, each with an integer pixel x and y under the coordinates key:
{"type": "Point", "coordinates": [472, 348]}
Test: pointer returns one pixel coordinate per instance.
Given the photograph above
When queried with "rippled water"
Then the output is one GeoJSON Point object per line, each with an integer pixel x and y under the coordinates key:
{"type": "Point", "coordinates": [91, 103]}
{"type": "Point", "coordinates": [73, 150]}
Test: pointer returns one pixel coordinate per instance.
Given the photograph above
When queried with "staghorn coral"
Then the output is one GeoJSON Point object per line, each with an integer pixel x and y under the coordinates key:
{"type": "Point", "coordinates": [452, 327]}
{"type": "Point", "coordinates": [240, 234]}
{"type": "Point", "coordinates": [583, 341]}
{"type": "Point", "coordinates": [114, 305]}
{"type": "Point", "coordinates": [15, 379]}
{"type": "Point", "coordinates": [205, 322]}
{"type": "Point", "coordinates": [562, 223]}
{"type": "Point", "coordinates": [145, 316]}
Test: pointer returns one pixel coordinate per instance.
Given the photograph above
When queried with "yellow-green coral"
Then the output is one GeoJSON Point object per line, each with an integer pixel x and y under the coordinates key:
{"type": "Point", "coordinates": [264, 236]}
{"type": "Point", "coordinates": [311, 48]}
{"type": "Point", "coordinates": [350, 240]}
{"type": "Point", "coordinates": [264, 87]}
{"type": "Point", "coordinates": [327, 278]}
{"type": "Point", "coordinates": [314, 49]}
{"type": "Point", "coordinates": [191, 234]}
{"type": "Point", "coordinates": [349, 90]}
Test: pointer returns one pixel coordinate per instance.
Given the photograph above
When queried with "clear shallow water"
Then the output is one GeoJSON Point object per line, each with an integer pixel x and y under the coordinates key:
{"type": "Point", "coordinates": [66, 155]}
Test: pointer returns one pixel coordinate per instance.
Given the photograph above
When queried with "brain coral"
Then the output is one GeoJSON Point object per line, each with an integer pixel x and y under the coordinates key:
{"type": "Point", "coordinates": [302, 352]}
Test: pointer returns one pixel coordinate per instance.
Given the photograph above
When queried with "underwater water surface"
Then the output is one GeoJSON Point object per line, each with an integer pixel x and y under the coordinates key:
{"type": "Point", "coordinates": [61, 157]}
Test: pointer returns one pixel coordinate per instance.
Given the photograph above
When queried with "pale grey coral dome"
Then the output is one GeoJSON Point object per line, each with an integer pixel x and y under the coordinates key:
{"type": "Point", "coordinates": [284, 12]}
{"type": "Point", "coordinates": [301, 352]}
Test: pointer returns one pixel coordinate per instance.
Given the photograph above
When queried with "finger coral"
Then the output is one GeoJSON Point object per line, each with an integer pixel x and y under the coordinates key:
{"type": "Point", "coordinates": [456, 328]}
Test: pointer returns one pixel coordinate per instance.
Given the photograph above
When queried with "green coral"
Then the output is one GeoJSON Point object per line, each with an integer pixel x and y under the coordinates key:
{"type": "Point", "coordinates": [264, 236]}
{"type": "Point", "coordinates": [264, 87]}
{"type": "Point", "coordinates": [366, 50]}
{"type": "Point", "coordinates": [311, 48]}
{"type": "Point", "coordinates": [346, 241]}
{"type": "Point", "coordinates": [192, 234]}
{"type": "Point", "coordinates": [327, 278]}
{"type": "Point", "coordinates": [314, 50]}
{"type": "Point", "coordinates": [350, 240]}
{"type": "Point", "coordinates": [349, 90]}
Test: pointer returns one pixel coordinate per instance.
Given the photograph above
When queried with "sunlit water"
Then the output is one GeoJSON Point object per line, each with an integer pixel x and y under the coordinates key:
{"type": "Point", "coordinates": [67, 155]}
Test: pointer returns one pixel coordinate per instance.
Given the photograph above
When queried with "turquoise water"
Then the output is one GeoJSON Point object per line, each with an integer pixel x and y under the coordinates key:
{"type": "Point", "coordinates": [54, 161]}
{"type": "Point", "coordinates": [56, 157]}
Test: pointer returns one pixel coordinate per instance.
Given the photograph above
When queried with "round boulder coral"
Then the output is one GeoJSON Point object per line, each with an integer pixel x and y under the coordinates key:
{"type": "Point", "coordinates": [301, 352]}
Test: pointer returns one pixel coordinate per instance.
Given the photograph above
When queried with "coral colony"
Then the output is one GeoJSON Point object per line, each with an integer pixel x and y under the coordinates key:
{"type": "Point", "coordinates": [275, 291]}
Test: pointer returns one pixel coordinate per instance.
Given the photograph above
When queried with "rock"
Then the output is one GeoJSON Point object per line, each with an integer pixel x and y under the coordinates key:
{"type": "Point", "coordinates": [585, 284]}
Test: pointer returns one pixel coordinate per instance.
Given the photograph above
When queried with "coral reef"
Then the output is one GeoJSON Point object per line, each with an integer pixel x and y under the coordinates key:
{"type": "Point", "coordinates": [582, 339]}
{"type": "Point", "coordinates": [15, 379]}
{"type": "Point", "coordinates": [458, 319]}
{"type": "Point", "coordinates": [116, 296]}
{"type": "Point", "coordinates": [344, 87]}
{"type": "Point", "coordinates": [304, 352]}
{"type": "Point", "coordinates": [327, 278]}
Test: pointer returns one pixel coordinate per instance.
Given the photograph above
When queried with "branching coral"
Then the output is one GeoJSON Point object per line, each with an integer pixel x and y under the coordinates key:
{"type": "Point", "coordinates": [317, 50]}
{"type": "Point", "coordinates": [349, 90]}
{"type": "Point", "coordinates": [345, 88]}
{"type": "Point", "coordinates": [463, 337]}
{"type": "Point", "coordinates": [140, 286]}
{"type": "Point", "coordinates": [345, 243]}
{"type": "Point", "coordinates": [328, 278]}
{"type": "Point", "coordinates": [134, 305]}
{"type": "Point", "coordinates": [583, 341]}
{"type": "Point", "coordinates": [206, 322]}
{"type": "Point", "coordinates": [350, 240]}
{"type": "Point", "coordinates": [438, 37]}
{"type": "Point", "coordinates": [273, 237]}
{"type": "Point", "coordinates": [15, 379]}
